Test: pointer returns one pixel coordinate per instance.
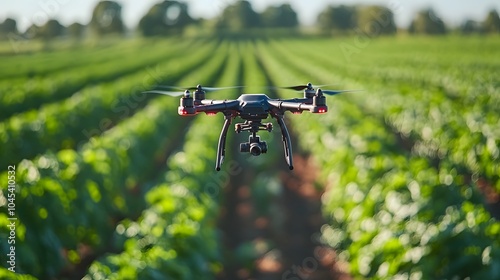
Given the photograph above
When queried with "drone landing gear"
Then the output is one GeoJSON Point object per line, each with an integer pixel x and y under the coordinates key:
{"type": "Point", "coordinates": [254, 146]}
{"type": "Point", "coordinates": [221, 149]}
{"type": "Point", "coordinates": [287, 143]}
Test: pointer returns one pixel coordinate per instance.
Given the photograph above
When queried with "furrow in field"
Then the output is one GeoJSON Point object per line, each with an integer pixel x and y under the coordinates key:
{"type": "Point", "coordinates": [270, 214]}
{"type": "Point", "coordinates": [237, 227]}
{"type": "Point", "coordinates": [304, 255]}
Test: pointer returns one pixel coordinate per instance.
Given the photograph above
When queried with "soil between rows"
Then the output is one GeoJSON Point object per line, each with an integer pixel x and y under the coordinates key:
{"type": "Point", "coordinates": [280, 240]}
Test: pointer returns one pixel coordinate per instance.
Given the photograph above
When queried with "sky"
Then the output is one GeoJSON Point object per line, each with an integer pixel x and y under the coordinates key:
{"type": "Point", "coordinates": [70, 11]}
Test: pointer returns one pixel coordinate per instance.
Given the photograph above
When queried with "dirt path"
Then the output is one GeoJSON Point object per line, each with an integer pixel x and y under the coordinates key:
{"type": "Point", "coordinates": [277, 239]}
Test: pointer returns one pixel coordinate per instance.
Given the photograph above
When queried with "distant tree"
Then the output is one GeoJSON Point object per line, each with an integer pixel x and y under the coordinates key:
{"type": "Point", "coordinates": [280, 16]}
{"type": "Point", "coordinates": [337, 18]}
{"type": "Point", "coordinates": [238, 17]}
{"type": "Point", "coordinates": [492, 22]}
{"type": "Point", "coordinates": [166, 18]}
{"type": "Point", "coordinates": [427, 22]}
{"type": "Point", "coordinates": [9, 26]}
{"type": "Point", "coordinates": [375, 20]}
{"type": "Point", "coordinates": [76, 30]}
{"type": "Point", "coordinates": [107, 18]}
{"type": "Point", "coordinates": [469, 27]}
{"type": "Point", "coordinates": [33, 32]}
{"type": "Point", "coordinates": [51, 29]}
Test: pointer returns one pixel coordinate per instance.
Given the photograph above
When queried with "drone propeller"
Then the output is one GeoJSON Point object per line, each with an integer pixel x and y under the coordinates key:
{"type": "Point", "coordinates": [334, 92]}
{"type": "Point", "coordinates": [206, 89]}
{"type": "Point", "coordinates": [303, 87]}
{"type": "Point", "coordinates": [169, 93]}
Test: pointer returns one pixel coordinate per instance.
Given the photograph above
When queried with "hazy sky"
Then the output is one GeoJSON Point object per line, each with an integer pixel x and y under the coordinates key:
{"type": "Point", "coordinates": [69, 11]}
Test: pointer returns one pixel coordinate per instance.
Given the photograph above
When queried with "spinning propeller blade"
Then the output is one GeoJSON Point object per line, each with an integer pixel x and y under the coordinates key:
{"type": "Point", "coordinates": [210, 89]}
{"type": "Point", "coordinates": [333, 92]}
{"type": "Point", "coordinates": [170, 93]}
{"type": "Point", "coordinates": [206, 89]}
{"type": "Point", "coordinates": [303, 87]}
{"type": "Point", "coordinates": [297, 88]}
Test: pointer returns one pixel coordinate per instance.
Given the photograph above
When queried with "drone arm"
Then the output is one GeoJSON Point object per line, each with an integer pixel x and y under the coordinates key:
{"type": "Point", "coordinates": [221, 149]}
{"type": "Point", "coordinates": [210, 102]}
{"type": "Point", "coordinates": [290, 105]}
{"type": "Point", "coordinates": [298, 100]}
{"type": "Point", "coordinates": [287, 143]}
{"type": "Point", "coordinates": [218, 106]}
{"type": "Point", "coordinates": [297, 106]}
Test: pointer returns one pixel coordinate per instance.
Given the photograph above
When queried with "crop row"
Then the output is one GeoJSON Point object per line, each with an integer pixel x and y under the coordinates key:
{"type": "Point", "coordinates": [79, 196]}
{"type": "Point", "coordinates": [27, 93]}
{"type": "Point", "coordinates": [425, 68]}
{"type": "Point", "coordinates": [393, 214]}
{"type": "Point", "coordinates": [73, 121]}
{"type": "Point", "coordinates": [69, 199]}
{"type": "Point", "coordinates": [47, 62]}
{"type": "Point", "coordinates": [176, 236]}
{"type": "Point", "coordinates": [443, 117]}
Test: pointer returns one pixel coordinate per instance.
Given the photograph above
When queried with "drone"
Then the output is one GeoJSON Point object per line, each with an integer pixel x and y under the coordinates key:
{"type": "Point", "coordinates": [252, 109]}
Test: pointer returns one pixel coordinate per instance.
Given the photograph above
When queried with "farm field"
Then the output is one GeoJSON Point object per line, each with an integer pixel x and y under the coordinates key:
{"type": "Point", "coordinates": [400, 180]}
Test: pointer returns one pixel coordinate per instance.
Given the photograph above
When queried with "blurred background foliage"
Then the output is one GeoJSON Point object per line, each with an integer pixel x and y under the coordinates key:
{"type": "Point", "coordinates": [172, 18]}
{"type": "Point", "coordinates": [400, 181]}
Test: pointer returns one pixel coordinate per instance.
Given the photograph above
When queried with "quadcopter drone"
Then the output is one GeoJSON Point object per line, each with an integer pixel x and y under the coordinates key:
{"type": "Point", "coordinates": [253, 109]}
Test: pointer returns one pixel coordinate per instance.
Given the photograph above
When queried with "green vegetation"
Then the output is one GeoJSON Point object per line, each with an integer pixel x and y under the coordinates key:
{"type": "Point", "coordinates": [404, 160]}
{"type": "Point", "coordinates": [89, 112]}
{"type": "Point", "coordinates": [31, 91]}
{"type": "Point", "coordinates": [410, 165]}
{"type": "Point", "coordinates": [175, 237]}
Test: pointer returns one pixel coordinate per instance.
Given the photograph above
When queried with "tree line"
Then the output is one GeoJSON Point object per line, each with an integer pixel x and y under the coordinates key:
{"type": "Point", "coordinates": [172, 18]}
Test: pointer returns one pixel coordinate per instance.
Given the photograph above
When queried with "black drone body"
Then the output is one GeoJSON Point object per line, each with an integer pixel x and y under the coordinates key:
{"type": "Point", "coordinates": [253, 109]}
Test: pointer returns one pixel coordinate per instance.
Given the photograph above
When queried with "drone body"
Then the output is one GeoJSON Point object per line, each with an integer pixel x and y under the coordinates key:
{"type": "Point", "coordinates": [253, 109]}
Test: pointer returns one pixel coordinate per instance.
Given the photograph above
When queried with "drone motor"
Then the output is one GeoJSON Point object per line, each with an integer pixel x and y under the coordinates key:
{"type": "Point", "coordinates": [199, 93]}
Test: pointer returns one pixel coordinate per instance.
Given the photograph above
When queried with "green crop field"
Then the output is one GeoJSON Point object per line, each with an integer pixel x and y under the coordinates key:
{"type": "Point", "coordinates": [113, 184]}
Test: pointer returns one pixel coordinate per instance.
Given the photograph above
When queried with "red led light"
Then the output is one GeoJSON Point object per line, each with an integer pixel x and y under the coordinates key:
{"type": "Point", "coordinates": [183, 112]}
{"type": "Point", "coordinates": [322, 110]}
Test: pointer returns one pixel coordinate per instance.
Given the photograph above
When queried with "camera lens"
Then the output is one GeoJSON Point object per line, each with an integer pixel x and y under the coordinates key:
{"type": "Point", "coordinates": [255, 149]}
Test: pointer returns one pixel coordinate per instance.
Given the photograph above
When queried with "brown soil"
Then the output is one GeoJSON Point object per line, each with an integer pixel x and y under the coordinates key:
{"type": "Point", "coordinates": [286, 237]}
